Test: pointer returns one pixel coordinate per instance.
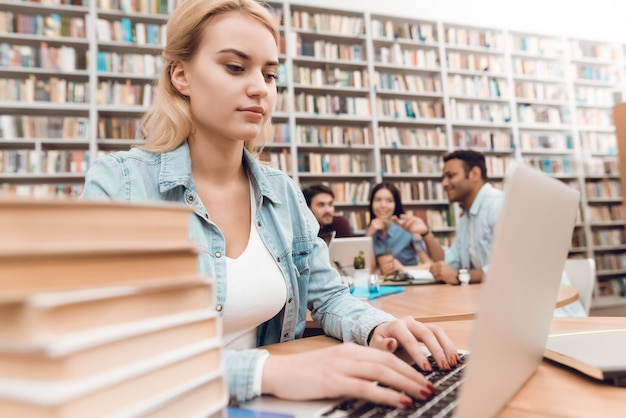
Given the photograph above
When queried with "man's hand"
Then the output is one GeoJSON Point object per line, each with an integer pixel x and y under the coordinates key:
{"type": "Point", "coordinates": [413, 224]}
{"type": "Point", "coordinates": [443, 272]}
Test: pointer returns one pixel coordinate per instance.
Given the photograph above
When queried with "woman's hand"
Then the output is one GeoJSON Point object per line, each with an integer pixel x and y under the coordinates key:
{"type": "Point", "coordinates": [379, 224]}
{"type": "Point", "coordinates": [388, 264]}
{"type": "Point", "coordinates": [406, 332]}
{"type": "Point", "coordinates": [346, 370]}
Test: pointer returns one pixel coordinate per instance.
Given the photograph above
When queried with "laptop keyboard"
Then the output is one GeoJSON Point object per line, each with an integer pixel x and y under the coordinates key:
{"type": "Point", "coordinates": [441, 405]}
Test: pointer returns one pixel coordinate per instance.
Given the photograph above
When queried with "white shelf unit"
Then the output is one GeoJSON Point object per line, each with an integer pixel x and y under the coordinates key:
{"type": "Point", "coordinates": [363, 98]}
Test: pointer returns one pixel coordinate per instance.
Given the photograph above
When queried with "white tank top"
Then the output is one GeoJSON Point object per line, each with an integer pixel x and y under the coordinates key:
{"type": "Point", "coordinates": [255, 291]}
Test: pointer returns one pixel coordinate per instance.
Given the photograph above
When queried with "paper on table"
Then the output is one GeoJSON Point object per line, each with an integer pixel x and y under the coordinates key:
{"type": "Point", "coordinates": [420, 274]}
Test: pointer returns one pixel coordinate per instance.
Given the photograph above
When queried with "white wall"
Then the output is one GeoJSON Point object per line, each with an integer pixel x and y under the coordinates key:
{"type": "Point", "coordinates": [590, 19]}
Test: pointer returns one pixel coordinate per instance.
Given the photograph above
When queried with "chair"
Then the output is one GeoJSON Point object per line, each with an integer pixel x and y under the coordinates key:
{"type": "Point", "coordinates": [582, 274]}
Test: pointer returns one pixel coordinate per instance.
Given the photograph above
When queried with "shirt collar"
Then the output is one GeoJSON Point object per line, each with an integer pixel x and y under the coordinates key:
{"type": "Point", "coordinates": [480, 197]}
{"type": "Point", "coordinates": [176, 171]}
{"type": "Point", "coordinates": [258, 177]}
{"type": "Point", "coordinates": [175, 168]}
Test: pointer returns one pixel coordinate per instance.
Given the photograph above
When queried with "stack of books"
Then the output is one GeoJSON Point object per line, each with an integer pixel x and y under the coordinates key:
{"type": "Point", "coordinates": [103, 313]}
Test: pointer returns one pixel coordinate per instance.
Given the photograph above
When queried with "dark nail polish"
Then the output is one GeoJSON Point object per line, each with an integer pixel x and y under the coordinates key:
{"type": "Point", "coordinates": [406, 402]}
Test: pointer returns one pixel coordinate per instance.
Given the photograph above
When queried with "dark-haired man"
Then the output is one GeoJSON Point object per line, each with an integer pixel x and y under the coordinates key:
{"type": "Point", "coordinates": [464, 180]}
{"type": "Point", "coordinates": [321, 200]}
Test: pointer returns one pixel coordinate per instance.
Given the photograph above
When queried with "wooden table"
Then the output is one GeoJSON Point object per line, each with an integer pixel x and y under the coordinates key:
{"type": "Point", "coordinates": [551, 392]}
{"type": "Point", "coordinates": [442, 302]}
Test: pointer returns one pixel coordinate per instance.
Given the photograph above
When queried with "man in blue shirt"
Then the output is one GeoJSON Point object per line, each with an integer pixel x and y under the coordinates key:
{"type": "Point", "coordinates": [464, 180]}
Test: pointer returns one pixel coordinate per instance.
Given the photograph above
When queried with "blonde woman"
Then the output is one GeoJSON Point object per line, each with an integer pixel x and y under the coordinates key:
{"type": "Point", "coordinates": [213, 108]}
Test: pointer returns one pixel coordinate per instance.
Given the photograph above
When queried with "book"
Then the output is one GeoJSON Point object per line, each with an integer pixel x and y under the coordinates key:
{"type": "Point", "coordinates": [65, 267]}
{"type": "Point", "coordinates": [115, 389]}
{"type": "Point", "coordinates": [234, 412]}
{"type": "Point", "coordinates": [199, 398]}
{"type": "Point", "coordinates": [47, 315]}
{"type": "Point", "coordinates": [76, 356]}
{"type": "Point", "coordinates": [30, 224]}
{"type": "Point", "coordinates": [598, 353]}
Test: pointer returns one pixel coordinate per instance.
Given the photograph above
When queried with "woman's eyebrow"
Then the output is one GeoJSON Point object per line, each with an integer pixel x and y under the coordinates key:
{"type": "Point", "coordinates": [245, 56]}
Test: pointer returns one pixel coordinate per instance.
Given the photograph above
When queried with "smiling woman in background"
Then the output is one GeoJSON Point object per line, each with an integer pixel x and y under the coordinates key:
{"type": "Point", "coordinates": [213, 108]}
{"type": "Point", "coordinates": [397, 242]}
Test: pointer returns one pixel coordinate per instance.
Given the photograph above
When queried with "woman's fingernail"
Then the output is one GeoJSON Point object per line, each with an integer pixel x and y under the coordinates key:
{"type": "Point", "coordinates": [453, 359]}
{"type": "Point", "coordinates": [426, 366]}
{"type": "Point", "coordinates": [426, 392]}
{"type": "Point", "coordinates": [406, 401]}
{"type": "Point", "coordinates": [389, 345]}
{"type": "Point", "coordinates": [445, 365]}
{"type": "Point", "coordinates": [432, 387]}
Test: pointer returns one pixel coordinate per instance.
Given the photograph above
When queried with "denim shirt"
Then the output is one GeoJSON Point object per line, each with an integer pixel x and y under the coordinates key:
{"type": "Point", "coordinates": [399, 242]}
{"type": "Point", "coordinates": [287, 228]}
{"type": "Point", "coordinates": [484, 214]}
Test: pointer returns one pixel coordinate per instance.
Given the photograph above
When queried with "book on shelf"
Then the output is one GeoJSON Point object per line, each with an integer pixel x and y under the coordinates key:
{"type": "Point", "coordinates": [46, 315]}
{"type": "Point", "coordinates": [29, 224]}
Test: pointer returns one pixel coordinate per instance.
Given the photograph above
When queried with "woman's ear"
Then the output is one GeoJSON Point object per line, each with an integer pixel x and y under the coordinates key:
{"type": "Point", "coordinates": [180, 81]}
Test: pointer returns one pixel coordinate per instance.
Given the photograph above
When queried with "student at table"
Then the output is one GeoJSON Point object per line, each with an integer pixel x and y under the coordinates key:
{"type": "Point", "coordinates": [211, 113]}
{"type": "Point", "coordinates": [321, 200]}
{"type": "Point", "coordinates": [396, 244]}
{"type": "Point", "coordinates": [465, 181]}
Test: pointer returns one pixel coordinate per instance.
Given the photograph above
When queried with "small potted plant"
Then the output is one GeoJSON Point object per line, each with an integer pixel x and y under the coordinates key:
{"type": "Point", "coordinates": [359, 261]}
{"type": "Point", "coordinates": [361, 273]}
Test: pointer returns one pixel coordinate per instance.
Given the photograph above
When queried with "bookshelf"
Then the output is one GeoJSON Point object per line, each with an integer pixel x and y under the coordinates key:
{"type": "Point", "coordinates": [362, 97]}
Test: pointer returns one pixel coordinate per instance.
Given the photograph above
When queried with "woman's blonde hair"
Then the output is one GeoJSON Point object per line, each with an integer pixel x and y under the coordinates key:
{"type": "Point", "coordinates": [167, 123]}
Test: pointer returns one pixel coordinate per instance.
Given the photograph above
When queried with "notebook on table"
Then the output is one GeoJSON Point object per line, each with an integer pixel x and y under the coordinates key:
{"type": "Point", "coordinates": [409, 277]}
{"type": "Point", "coordinates": [517, 300]}
{"type": "Point", "coordinates": [597, 353]}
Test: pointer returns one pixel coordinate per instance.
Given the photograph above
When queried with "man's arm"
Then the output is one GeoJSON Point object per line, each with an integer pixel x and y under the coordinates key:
{"type": "Point", "coordinates": [435, 250]}
{"type": "Point", "coordinates": [445, 273]}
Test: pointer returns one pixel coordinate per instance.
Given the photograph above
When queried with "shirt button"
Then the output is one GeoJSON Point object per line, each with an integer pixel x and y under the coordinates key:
{"type": "Point", "coordinates": [258, 224]}
{"type": "Point", "coordinates": [218, 254]}
{"type": "Point", "coordinates": [190, 198]}
{"type": "Point", "coordinates": [286, 335]}
{"type": "Point", "coordinates": [278, 259]}
{"type": "Point", "coordinates": [290, 300]}
{"type": "Point", "coordinates": [219, 308]}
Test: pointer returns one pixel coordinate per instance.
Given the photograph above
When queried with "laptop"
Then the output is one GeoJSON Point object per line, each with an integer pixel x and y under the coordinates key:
{"type": "Point", "coordinates": [517, 300]}
{"type": "Point", "coordinates": [345, 249]}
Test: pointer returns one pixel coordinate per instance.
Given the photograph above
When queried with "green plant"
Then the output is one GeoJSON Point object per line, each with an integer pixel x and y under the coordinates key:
{"type": "Point", "coordinates": [359, 261]}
